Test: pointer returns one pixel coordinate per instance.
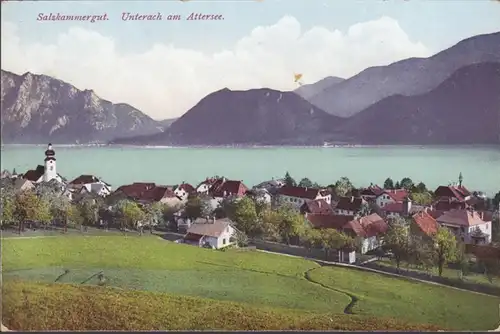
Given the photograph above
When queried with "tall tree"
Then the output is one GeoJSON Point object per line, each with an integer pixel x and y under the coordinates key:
{"type": "Point", "coordinates": [291, 224]}
{"type": "Point", "coordinates": [460, 179]}
{"type": "Point", "coordinates": [289, 180]}
{"type": "Point", "coordinates": [245, 216]}
{"type": "Point", "coordinates": [7, 209]}
{"type": "Point", "coordinates": [197, 207]}
{"type": "Point", "coordinates": [311, 238]}
{"type": "Point", "coordinates": [305, 183]}
{"type": "Point", "coordinates": [445, 248]}
{"type": "Point", "coordinates": [29, 207]}
{"type": "Point", "coordinates": [60, 208]}
{"type": "Point", "coordinates": [397, 185]}
{"type": "Point", "coordinates": [420, 188]}
{"type": "Point", "coordinates": [397, 241]}
{"type": "Point", "coordinates": [421, 198]}
{"type": "Point", "coordinates": [496, 201]}
{"type": "Point", "coordinates": [131, 215]}
{"type": "Point", "coordinates": [406, 183]}
{"type": "Point", "coordinates": [343, 186]}
{"type": "Point", "coordinates": [332, 239]}
{"type": "Point", "coordinates": [388, 183]}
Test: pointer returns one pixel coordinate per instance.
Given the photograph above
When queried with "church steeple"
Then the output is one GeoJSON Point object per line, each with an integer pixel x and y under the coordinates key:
{"type": "Point", "coordinates": [50, 164]}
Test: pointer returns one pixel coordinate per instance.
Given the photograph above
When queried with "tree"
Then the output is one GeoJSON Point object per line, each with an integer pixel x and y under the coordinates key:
{"type": "Point", "coordinates": [388, 183]}
{"type": "Point", "coordinates": [496, 201]}
{"type": "Point", "coordinates": [241, 238]}
{"type": "Point", "coordinates": [153, 214]}
{"type": "Point", "coordinates": [397, 185]}
{"type": "Point", "coordinates": [311, 238]}
{"type": "Point", "coordinates": [406, 183]}
{"type": "Point", "coordinates": [289, 181]}
{"type": "Point", "coordinates": [245, 216]}
{"type": "Point", "coordinates": [197, 207]}
{"type": "Point", "coordinates": [60, 208]}
{"type": "Point", "coordinates": [397, 241]}
{"type": "Point", "coordinates": [28, 206]}
{"type": "Point", "coordinates": [420, 253]}
{"type": "Point", "coordinates": [305, 183]}
{"type": "Point", "coordinates": [445, 248]}
{"type": "Point", "coordinates": [420, 188]}
{"type": "Point", "coordinates": [89, 210]}
{"type": "Point", "coordinates": [333, 239]}
{"type": "Point", "coordinates": [343, 186]}
{"type": "Point", "coordinates": [131, 214]}
{"type": "Point", "coordinates": [291, 224]}
{"type": "Point", "coordinates": [7, 209]}
{"type": "Point", "coordinates": [421, 198]}
{"type": "Point", "coordinates": [227, 207]}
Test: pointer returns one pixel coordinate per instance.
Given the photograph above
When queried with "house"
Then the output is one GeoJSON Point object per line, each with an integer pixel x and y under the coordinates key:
{"type": "Point", "coordinates": [317, 206]}
{"type": "Point", "coordinates": [467, 225]}
{"type": "Point", "coordinates": [297, 196]}
{"type": "Point", "coordinates": [371, 192]}
{"type": "Point", "coordinates": [37, 175]}
{"type": "Point", "coordinates": [46, 172]}
{"type": "Point", "coordinates": [183, 190]}
{"type": "Point", "coordinates": [397, 209]}
{"type": "Point", "coordinates": [23, 185]}
{"type": "Point", "coordinates": [210, 232]}
{"type": "Point", "coordinates": [453, 193]}
{"type": "Point", "coordinates": [133, 191]}
{"type": "Point", "coordinates": [161, 194]}
{"type": "Point", "coordinates": [391, 196]}
{"type": "Point", "coordinates": [205, 186]}
{"type": "Point", "coordinates": [349, 206]}
{"type": "Point", "coordinates": [91, 183]}
{"type": "Point", "coordinates": [260, 195]}
{"type": "Point", "coordinates": [368, 230]}
{"type": "Point", "coordinates": [271, 186]}
{"type": "Point", "coordinates": [223, 188]}
{"type": "Point", "coordinates": [424, 225]}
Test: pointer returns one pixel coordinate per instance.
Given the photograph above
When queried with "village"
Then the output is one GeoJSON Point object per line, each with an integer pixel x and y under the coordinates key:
{"type": "Point", "coordinates": [338, 221]}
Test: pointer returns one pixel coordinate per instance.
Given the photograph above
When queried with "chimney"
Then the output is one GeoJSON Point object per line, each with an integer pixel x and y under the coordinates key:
{"type": "Point", "coordinates": [306, 188]}
{"type": "Point", "coordinates": [352, 199]}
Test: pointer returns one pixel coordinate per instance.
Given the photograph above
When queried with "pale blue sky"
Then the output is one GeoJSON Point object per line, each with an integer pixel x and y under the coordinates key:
{"type": "Point", "coordinates": [436, 23]}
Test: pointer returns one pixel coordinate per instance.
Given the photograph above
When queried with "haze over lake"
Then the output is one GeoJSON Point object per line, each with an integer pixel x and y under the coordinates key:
{"type": "Point", "coordinates": [480, 166]}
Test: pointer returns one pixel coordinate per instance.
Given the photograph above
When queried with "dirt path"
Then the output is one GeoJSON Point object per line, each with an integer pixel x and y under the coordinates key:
{"type": "Point", "coordinates": [352, 303]}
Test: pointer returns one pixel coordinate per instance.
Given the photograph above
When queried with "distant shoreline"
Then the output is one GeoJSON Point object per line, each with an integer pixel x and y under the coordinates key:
{"type": "Point", "coordinates": [452, 146]}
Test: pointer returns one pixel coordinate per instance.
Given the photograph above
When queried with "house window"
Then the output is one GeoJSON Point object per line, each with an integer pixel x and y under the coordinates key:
{"type": "Point", "coordinates": [51, 168]}
{"type": "Point", "coordinates": [224, 241]}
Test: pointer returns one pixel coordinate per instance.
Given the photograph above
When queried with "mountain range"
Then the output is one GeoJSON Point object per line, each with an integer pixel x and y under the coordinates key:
{"type": "Point", "coordinates": [450, 98]}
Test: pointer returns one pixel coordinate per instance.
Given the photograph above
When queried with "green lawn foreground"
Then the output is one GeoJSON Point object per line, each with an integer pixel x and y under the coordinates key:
{"type": "Point", "coordinates": [381, 296]}
{"type": "Point", "coordinates": [259, 279]}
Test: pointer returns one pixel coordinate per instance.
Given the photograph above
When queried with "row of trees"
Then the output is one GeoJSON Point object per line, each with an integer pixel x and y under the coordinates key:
{"type": "Point", "coordinates": [45, 205]}
{"type": "Point", "coordinates": [438, 251]}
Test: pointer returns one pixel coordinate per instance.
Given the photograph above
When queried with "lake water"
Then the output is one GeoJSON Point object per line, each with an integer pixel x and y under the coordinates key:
{"type": "Point", "coordinates": [480, 166]}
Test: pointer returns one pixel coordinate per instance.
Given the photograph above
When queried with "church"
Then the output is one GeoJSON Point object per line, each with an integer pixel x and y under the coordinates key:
{"type": "Point", "coordinates": [47, 171]}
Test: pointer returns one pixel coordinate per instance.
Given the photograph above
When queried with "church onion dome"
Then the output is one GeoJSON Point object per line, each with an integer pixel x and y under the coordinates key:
{"type": "Point", "coordinates": [50, 153]}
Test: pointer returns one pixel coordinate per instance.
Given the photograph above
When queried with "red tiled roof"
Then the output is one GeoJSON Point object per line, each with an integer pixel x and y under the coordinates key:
{"type": "Point", "coordinates": [349, 203]}
{"type": "Point", "coordinates": [210, 228]}
{"type": "Point", "coordinates": [461, 217]}
{"type": "Point", "coordinates": [299, 192]}
{"type": "Point", "coordinates": [224, 187]}
{"type": "Point", "coordinates": [394, 207]}
{"type": "Point", "coordinates": [135, 190]}
{"type": "Point", "coordinates": [397, 195]}
{"type": "Point", "coordinates": [208, 181]}
{"type": "Point", "coordinates": [318, 206]}
{"type": "Point", "coordinates": [372, 225]}
{"type": "Point", "coordinates": [328, 221]}
{"type": "Point", "coordinates": [457, 192]}
{"type": "Point", "coordinates": [372, 191]}
{"type": "Point", "coordinates": [157, 193]}
{"type": "Point", "coordinates": [426, 223]}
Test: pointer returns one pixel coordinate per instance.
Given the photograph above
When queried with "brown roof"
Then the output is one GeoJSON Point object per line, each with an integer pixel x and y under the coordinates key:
{"type": "Point", "coordinates": [457, 192]}
{"type": "Point", "coordinates": [210, 228]}
{"type": "Point", "coordinates": [34, 174]}
{"type": "Point", "coordinates": [299, 192]}
{"type": "Point", "coordinates": [461, 217]}
{"type": "Point", "coordinates": [372, 225]}
{"type": "Point", "coordinates": [208, 181]}
{"type": "Point", "coordinates": [186, 187]}
{"type": "Point", "coordinates": [86, 179]}
{"type": "Point", "coordinates": [426, 223]}
{"type": "Point", "coordinates": [397, 195]}
{"type": "Point", "coordinates": [135, 190]}
{"type": "Point", "coordinates": [192, 237]}
{"type": "Point", "coordinates": [447, 205]}
{"type": "Point", "coordinates": [328, 221]}
{"type": "Point", "coordinates": [157, 193]}
{"type": "Point", "coordinates": [317, 206]}
{"type": "Point", "coordinates": [223, 187]}
{"type": "Point", "coordinates": [349, 203]}
{"type": "Point", "coordinates": [372, 191]}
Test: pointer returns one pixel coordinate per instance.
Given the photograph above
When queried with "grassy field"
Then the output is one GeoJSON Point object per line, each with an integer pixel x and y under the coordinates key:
{"type": "Point", "coordinates": [160, 275]}
{"type": "Point", "coordinates": [447, 272]}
